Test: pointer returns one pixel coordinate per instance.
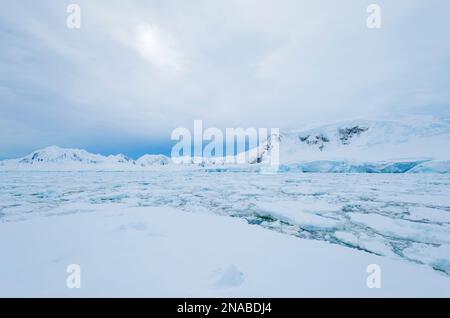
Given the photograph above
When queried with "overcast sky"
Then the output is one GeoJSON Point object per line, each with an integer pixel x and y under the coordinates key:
{"type": "Point", "coordinates": [136, 70]}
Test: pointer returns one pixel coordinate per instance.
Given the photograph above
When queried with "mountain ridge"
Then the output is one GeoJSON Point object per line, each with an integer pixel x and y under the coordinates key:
{"type": "Point", "coordinates": [357, 145]}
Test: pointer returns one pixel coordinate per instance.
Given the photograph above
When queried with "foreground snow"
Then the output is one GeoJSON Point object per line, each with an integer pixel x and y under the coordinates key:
{"type": "Point", "coordinates": [166, 252]}
{"type": "Point", "coordinates": [196, 233]}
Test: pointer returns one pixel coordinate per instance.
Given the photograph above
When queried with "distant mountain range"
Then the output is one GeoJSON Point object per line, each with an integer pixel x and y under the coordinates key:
{"type": "Point", "coordinates": [57, 158]}
{"type": "Point", "coordinates": [418, 144]}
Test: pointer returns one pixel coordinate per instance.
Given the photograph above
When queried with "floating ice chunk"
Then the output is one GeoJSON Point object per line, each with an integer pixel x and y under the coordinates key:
{"type": "Point", "coordinates": [346, 237]}
{"type": "Point", "coordinates": [437, 257]}
{"type": "Point", "coordinates": [429, 214]}
{"type": "Point", "coordinates": [365, 242]}
{"type": "Point", "coordinates": [301, 213]}
{"type": "Point", "coordinates": [399, 228]}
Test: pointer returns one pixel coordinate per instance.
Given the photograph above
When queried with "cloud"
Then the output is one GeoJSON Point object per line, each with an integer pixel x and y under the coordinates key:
{"type": "Point", "coordinates": [138, 69]}
{"type": "Point", "coordinates": [158, 48]}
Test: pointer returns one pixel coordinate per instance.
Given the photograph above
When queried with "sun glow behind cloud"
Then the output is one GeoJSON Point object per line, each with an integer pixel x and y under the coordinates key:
{"type": "Point", "coordinates": [158, 48]}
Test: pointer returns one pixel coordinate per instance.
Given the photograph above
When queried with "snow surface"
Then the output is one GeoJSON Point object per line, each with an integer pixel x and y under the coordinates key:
{"type": "Point", "coordinates": [197, 233]}
{"type": "Point", "coordinates": [162, 252]}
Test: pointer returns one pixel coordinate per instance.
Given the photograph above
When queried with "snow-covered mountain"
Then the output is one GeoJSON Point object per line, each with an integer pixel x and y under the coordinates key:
{"type": "Point", "coordinates": [370, 140]}
{"type": "Point", "coordinates": [413, 144]}
{"type": "Point", "coordinates": [419, 144]}
{"type": "Point", "coordinates": [57, 155]}
{"type": "Point", "coordinates": [57, 158]}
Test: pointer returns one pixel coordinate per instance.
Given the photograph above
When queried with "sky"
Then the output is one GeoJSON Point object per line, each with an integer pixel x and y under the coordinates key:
{"type": "Point", "coordinates": [136, 70]}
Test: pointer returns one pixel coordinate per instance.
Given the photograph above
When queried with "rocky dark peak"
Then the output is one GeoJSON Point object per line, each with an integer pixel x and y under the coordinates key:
{"type": "Point", "coordinates": [267, 147]}
{"type": "Point", "coordinates": [35, 158]}
{"type": "Point", "coordinates": [123, 159]}
{"type": "Point", "coordinates": [346, 134]}
{"type": "Point", "coordinates": [271, 139]}
{"type": "Point", "coordinates": [320, 140]}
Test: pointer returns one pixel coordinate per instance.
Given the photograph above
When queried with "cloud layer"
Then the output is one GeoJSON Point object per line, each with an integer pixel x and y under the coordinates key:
{"type": "Point", "coordinates": [138, 69]}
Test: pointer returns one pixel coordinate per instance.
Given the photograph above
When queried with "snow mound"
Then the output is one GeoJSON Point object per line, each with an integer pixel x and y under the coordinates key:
{"type": "Point", "coordinates": [150, 160]}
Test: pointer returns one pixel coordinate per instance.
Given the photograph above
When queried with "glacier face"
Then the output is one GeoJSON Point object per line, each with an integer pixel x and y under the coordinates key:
{"type": "Point", "coordinates": [402, 216]}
